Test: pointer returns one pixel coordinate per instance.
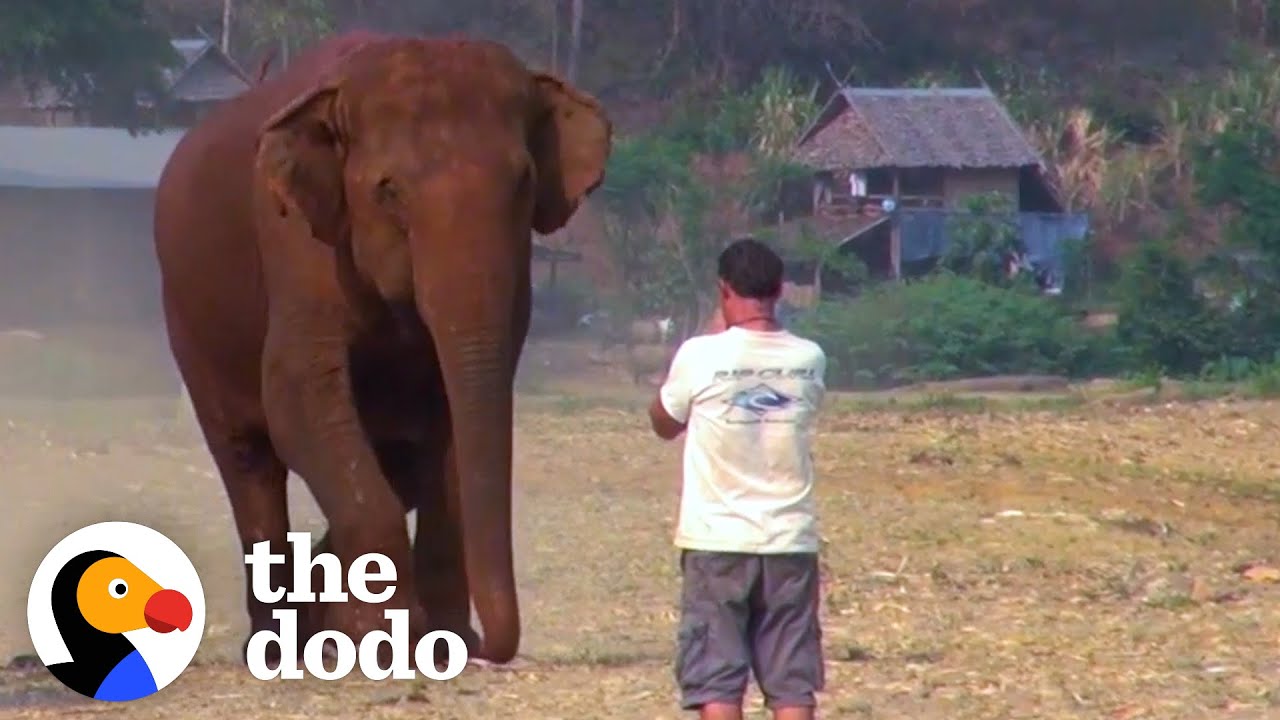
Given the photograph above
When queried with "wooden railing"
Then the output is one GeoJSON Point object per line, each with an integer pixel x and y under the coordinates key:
{"type": "Point", "coordinates": [843, 205]}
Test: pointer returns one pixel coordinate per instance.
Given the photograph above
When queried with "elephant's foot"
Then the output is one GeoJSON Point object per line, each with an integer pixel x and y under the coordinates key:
{"type": "Point", "coordinates": [272, 655]}
{"type": "Point", "coordinates": [517, 663]}
{"type": "Point", "coordinates": [469, 637]}
{"type": "Point", "coordinates": [310, 619]}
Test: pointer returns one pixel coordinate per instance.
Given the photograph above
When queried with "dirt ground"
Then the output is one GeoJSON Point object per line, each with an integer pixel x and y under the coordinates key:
{"type": "Point", "coordinates": [983, 560]}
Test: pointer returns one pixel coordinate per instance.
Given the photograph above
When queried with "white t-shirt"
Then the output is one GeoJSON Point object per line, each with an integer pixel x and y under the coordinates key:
{"type": "Point", "coordinates": [750, 399]}
{"type": "Point", "coordinates": [857, 185]}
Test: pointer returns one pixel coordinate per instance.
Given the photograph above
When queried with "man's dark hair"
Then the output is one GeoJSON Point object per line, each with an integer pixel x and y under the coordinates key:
{"type": "Point", "coordinates": [752, 269]}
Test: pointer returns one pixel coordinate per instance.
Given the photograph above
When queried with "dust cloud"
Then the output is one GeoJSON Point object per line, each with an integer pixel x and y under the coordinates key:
{"type": "Point", "coordinates": [95, 423]}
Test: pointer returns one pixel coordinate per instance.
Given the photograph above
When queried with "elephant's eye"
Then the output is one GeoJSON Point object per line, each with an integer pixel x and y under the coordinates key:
{"type": "Point", "coordinates": [386, 192]}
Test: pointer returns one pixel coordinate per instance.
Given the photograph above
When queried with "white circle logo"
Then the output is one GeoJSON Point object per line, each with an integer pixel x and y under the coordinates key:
{"type": "Point", "coordinates": [116, 611]}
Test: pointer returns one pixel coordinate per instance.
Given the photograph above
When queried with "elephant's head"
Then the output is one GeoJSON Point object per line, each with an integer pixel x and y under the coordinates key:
{"type": "Point", "coordinates": [427, 163]}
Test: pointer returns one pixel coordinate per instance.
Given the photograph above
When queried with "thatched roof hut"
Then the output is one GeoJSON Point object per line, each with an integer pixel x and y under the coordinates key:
{"type": "Point", "coordinates": [934, 127]}
{"type": "Point", "coordinates": [943, 142]}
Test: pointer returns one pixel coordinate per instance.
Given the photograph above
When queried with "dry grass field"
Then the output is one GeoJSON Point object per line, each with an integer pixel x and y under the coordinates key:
{"type": "Point", "coordinates": [1055, 557]}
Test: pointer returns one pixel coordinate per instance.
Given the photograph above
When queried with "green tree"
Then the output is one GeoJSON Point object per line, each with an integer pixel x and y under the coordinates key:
{"type": "Point", "coordinates": [660, 228]}
{"type": "Point", "coordinates": [1236, 170]}
{"type": "Point", "coordinates": [99, 54]}
{"type": "Point", "coordinates": [984, 235]}
{"type": "Point", "coordinates": [1164, 320]}
{"type": "Point", "coordinates": [656, 227]}
{"type": "Point", "coordinates": [292, 24]}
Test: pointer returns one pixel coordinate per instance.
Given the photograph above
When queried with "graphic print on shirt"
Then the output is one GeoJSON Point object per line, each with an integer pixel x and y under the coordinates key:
{"type": "Point", "coordinates": [762, 403]}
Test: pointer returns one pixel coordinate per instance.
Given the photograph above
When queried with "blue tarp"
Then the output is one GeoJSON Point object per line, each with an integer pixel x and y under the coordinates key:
{"type": "Point", "coordinates": [924, 233]}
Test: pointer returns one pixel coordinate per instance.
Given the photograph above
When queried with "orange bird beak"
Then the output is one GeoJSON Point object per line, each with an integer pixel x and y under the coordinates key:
{"type": "Point", "coordinates": [168, 610]}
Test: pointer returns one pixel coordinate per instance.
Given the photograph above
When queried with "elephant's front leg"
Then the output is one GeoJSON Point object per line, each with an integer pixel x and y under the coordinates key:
{"type": "Point", "coordinates": [425, 475]}
{"type": "Point", "coordinates": [401, 463]}
{"type": "Point", "coordinates": [316, 429]}
{"type": "Point", "coordinates": [437, 549]}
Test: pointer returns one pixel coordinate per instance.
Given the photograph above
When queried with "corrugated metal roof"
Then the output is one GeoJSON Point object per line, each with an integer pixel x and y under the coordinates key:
{"type": "Point", "coordinates": [207, 73]}
{"type": "Point", "coordinates": [207, 79]}
{"type": "Point", "coordinates": [82, 157]}
{"type": "Point", "coordinates": [191, 48]}
{"type": "Point", "coordinates": [910, 127]}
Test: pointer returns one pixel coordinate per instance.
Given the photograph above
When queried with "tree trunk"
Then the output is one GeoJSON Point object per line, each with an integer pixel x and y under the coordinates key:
{"type": "Point", "coordinates": [575, 40]}
{"type": "Point", "coordinates": [226, 26]}
{"type": "Point", "coordinates": [672, 39]}
{"type": "Point", "coordinates": [555, 36]}
{"type": "Point", "coordinates": [721, 34]}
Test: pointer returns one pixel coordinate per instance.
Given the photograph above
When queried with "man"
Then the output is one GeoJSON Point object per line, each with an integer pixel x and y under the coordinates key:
{"type": "Point", "coordinates": [857, 185]}
{"type": "Point", "coordinates": [748, 394]}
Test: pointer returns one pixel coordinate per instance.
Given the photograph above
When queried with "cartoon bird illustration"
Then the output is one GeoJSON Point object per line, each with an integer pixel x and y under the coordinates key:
{"type": "Point", "coordinates": [97, 597]}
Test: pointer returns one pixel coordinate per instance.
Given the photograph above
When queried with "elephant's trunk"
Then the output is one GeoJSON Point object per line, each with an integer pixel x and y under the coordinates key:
{"type": "Point", "coordinates": [477, 373]}
{"type": "Point", "coordinates": [472, 304]}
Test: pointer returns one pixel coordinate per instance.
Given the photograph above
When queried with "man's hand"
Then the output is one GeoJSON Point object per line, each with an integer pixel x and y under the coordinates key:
{"type": "Point", "coordinates": [664, 426]}
{"type": "Point", "coordinates": [675, 386]}
{"type": "Point", "coordinates": [715, 323]}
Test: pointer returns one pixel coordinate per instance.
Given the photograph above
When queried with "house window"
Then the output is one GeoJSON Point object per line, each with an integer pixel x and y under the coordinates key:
{"type": "Point", "coordinates": [879, 181]}
{"type": "Point", "coordinates": [921, 182]}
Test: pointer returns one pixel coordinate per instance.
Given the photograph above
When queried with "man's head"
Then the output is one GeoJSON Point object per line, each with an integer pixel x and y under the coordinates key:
{"type": "Point", "coordinates": [749, 270]}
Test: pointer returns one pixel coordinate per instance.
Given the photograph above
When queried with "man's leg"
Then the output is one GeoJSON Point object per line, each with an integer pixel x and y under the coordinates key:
{"type": "Point", "coordinates": [714, 660]}
{"type": "Point", "coordinates": [786, 635]}
{"type": "Point", "coordinates": [794, 712]}
{"type": "Point", "coordinates": [720, 711]}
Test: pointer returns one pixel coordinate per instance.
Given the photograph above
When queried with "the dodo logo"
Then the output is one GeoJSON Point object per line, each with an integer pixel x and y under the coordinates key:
{"type": "Point", "coordinates": [116, 611]}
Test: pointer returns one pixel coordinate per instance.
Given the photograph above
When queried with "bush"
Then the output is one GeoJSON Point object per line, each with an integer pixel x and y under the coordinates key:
{"type": "Point", "coordinates": [947, 327]}
{"type": "Point", "coordinates": [1163, 321]}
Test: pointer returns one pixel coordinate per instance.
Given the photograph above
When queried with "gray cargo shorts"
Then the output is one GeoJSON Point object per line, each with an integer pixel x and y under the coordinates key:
{"type": "Point", "coordinates": [744, 615]}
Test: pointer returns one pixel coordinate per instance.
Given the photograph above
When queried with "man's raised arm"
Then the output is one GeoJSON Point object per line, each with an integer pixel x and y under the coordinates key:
{"type": "Point", "coordinates": [669, 411]}
{"type": "Point", "coordinates": [664, 426]}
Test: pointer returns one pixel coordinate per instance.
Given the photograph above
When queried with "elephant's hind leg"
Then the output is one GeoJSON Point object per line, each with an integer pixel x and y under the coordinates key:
{"type": "Point", "coordinates": [255, 481]}
{"type": "Point", "coordinates": [253, 475]}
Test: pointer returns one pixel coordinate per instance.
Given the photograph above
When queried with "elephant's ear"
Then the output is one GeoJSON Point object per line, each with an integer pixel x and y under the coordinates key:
{"type": "Point", "coordinates": [570, 145]}
{"type": "Point", "coordinates": [300, 157]}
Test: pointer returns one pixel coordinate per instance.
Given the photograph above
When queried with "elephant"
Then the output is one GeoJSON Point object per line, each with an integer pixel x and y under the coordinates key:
{"type": "Point", "coordinates": [344, 251]}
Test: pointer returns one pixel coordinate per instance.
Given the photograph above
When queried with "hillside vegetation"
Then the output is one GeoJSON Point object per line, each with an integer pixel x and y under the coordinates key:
{"type": "Point", "coordinates": [1157, 117]}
